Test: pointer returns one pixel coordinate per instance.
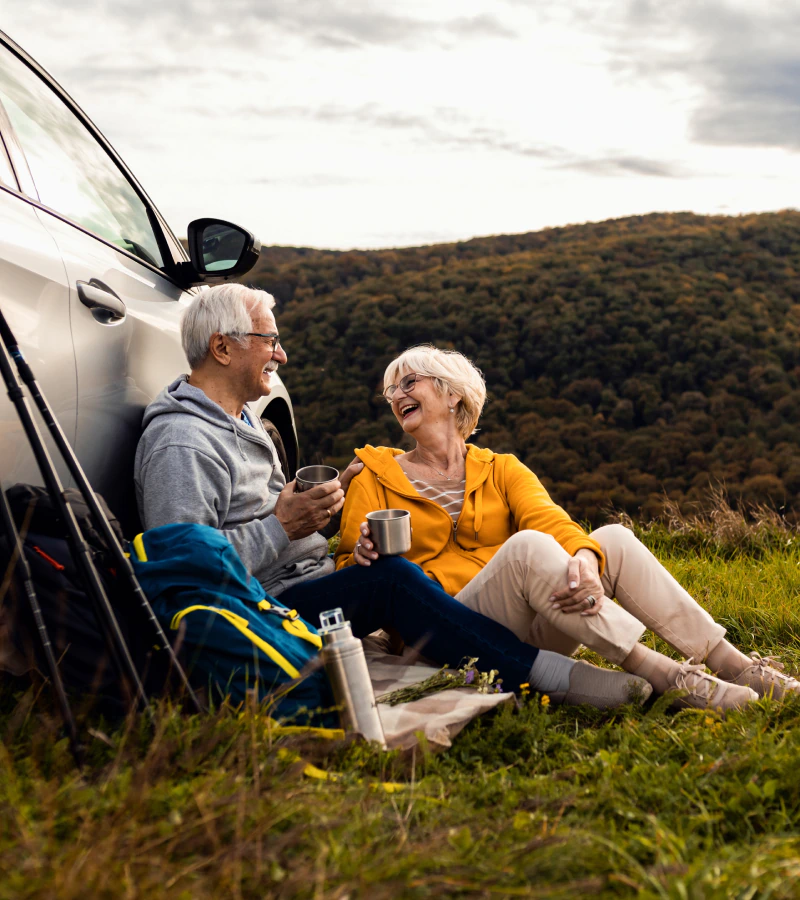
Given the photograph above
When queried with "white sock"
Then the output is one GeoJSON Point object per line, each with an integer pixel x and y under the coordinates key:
{"type": "Point", "coordinates": [550, 672]}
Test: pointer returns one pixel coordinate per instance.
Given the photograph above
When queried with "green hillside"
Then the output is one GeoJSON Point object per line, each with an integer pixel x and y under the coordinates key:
{"type": "Point", "coordinates": [623, 359]}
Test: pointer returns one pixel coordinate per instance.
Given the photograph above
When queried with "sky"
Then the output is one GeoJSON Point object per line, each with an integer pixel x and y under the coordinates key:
{"type": "Point", "coordinates": [355, 124]}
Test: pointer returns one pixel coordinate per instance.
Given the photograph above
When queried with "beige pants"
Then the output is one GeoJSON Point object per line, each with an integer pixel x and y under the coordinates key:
{"type": "Point", "coordinates": [515, 586]}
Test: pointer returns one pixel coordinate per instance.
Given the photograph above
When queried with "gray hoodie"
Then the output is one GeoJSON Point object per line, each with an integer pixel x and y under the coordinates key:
{"type": "Point", "coordinates": [195, 463]}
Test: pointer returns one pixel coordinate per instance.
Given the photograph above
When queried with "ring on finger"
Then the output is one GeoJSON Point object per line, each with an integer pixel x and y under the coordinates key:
{"type": "Point", "coordinates": [591, 600]}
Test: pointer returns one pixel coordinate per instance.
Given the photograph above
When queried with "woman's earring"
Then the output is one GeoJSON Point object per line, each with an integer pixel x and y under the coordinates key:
{"type": "Point", "coordinates": [452, 409]}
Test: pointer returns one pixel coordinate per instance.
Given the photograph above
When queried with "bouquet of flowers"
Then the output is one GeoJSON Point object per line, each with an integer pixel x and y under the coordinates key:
{"type": "Point", "coordinates": [466, 675]}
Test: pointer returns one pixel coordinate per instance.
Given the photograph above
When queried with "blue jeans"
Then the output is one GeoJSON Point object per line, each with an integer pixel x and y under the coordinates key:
{"type": "Point", "coordinates": [395, 593]}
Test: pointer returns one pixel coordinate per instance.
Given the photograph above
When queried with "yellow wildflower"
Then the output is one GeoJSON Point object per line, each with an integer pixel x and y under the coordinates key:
{"type": "Point", "coordinates": [545, 700]}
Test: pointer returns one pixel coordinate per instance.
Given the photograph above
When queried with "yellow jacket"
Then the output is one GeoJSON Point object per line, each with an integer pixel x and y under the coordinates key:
{"type": "Point", "coordinates": [502, 496]}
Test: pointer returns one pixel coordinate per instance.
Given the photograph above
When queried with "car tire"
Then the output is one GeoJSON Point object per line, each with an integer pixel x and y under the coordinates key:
{"type": "Point", "coordinates": [275, 435]}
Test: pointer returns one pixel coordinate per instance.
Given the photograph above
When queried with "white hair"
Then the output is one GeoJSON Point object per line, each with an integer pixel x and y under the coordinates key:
{"type": "Point", "coordinates": [450, 371]}
{"type": "Point", "coordinates": [224, 309]}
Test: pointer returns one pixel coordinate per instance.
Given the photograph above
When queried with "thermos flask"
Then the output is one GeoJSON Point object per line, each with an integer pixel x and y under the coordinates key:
{"type": "Point", "coordinates": [346, 666]}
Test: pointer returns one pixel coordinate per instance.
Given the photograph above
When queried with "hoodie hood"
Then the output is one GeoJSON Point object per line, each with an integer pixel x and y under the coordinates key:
{"type": "Point", "coordinates": [182, 398]}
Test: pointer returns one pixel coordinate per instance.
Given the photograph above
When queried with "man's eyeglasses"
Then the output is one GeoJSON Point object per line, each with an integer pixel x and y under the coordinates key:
{"type": "Point", "coordinates": [273, 341]}
{"type": "Point", "coordinates": [406, 385]}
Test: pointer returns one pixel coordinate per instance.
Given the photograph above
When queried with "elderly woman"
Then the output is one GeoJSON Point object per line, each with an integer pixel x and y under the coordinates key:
{"type": "Point", "coordinates": [487, 531]}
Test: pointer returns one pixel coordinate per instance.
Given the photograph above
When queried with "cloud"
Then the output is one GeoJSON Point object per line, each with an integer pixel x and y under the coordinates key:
{"type": "Point", "coordinates": [753, 101]}
{"type": "Point", "coordinates": [450, 128]}
{"type": "Point", "coordinates": [333, 24]}
{"type": "Point", "coordinates": [626, 165]}
{"type": "Point", "coordinates": [315, 180]}
{"type": "Point", "coordinates": [743, 62]}
{"type": "Point", "coordinates": [348, 24]}
{"type": "Point", "coordinates": [443, 126]}
{"type": "Point", "coordinates": [479, 27]}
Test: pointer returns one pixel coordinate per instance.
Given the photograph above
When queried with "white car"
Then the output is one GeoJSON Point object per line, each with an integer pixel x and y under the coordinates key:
{"type": "Point", "coordinates": [93, 282]}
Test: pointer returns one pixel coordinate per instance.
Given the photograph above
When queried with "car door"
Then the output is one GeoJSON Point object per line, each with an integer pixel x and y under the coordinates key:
{"type": "Point", "coordinates": [124, 310]}
{"type": "Point", "coordinates": [34, 297]}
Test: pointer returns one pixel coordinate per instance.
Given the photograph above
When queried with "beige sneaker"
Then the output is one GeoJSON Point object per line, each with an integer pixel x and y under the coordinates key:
{"type": "Point", "coordinates": [602, 688]}
{"type": "Point", "coordinates": [766, 678]}
{"type": "Point", "coordinates": [704, 691]}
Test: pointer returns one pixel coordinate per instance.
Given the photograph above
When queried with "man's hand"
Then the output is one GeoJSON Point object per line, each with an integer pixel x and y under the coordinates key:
{"type": "Point", "coordinates": [350, 473]}
{"type": "Point", "coordinates": [583, 581]}
{"type": "Point", "coordinates": [305, 512]}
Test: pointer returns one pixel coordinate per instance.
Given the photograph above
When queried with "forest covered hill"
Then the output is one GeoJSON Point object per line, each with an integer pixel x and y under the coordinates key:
{"type": "Point", "coordinates": [623, 359]}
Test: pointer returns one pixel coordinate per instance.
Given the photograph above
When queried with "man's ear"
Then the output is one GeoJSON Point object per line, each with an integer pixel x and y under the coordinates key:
{"type": "Point", "coordinates": [218, 348]}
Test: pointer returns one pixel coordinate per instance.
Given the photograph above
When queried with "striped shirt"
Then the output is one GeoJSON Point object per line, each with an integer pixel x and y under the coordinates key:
{"type": "Point", "coordinates": [448, 494]}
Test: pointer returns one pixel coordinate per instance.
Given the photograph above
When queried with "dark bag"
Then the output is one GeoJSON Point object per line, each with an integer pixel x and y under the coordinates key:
{"type": "Point", "coordinates": [34, 511]}
{"type": "Point", "coordinates": [68, 612]}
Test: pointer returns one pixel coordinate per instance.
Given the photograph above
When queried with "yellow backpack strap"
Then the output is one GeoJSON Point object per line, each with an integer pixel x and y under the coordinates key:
{"type": "Point", "coordinates": [298, 628]}
{"type": "Point", "coordinates": [278, 730]}
{"type": "Point", "coordinates": [243, 626]}
{"type": "Point", "coordinates": [138, 546]}
{"type": "Point", "coordinates": [312, 771]}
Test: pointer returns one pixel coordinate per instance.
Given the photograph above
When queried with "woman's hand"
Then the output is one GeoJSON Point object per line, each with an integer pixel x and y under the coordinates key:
{"type": "Point", "coordinates": [583, 583]}
{"type": "Point", "coordinates": [363, 552]}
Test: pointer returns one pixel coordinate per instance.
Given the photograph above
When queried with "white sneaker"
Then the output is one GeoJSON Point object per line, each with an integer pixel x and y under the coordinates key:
{"type": "Point", "coordinates": [704, 691]}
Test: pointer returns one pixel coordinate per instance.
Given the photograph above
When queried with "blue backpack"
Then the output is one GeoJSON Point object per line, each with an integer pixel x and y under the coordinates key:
{"type": "Point", "coordinates": [234, 637]}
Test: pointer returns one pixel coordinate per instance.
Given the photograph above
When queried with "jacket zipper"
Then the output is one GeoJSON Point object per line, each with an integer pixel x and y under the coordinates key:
{"type": "Point", "coordinates": [434, 503]}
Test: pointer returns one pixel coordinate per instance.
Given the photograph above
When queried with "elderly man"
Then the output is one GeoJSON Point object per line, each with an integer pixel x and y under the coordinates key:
{"type": "Point", "coordinates": [204, 457]}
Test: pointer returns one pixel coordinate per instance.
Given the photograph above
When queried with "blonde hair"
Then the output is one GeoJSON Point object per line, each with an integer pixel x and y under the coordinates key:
{"type": "Point", "coordinates": [450, 371]}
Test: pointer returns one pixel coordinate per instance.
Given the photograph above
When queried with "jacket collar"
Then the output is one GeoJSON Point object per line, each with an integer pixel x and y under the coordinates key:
{"type": "Point", "coordinates": [381, 460]}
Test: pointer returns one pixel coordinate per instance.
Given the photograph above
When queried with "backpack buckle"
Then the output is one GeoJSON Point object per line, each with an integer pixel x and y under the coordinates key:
{"type": "Point", "coordinates": [281, 611]}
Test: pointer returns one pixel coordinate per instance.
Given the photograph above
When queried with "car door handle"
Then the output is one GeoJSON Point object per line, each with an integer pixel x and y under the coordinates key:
{"type": "Point", "coordinates": [105, 305]}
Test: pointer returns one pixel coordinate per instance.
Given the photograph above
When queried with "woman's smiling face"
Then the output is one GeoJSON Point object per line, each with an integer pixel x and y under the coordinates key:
{"type": "Point", "coordinates": [421, 404]}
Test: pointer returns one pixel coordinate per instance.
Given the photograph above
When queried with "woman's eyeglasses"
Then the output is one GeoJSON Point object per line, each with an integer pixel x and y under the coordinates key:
{"type": "Point", "coordinates": [406, 385]}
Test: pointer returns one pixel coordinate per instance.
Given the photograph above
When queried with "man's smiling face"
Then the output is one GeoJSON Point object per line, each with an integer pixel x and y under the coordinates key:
{"type": "Point", "coordinates": [252, 363]}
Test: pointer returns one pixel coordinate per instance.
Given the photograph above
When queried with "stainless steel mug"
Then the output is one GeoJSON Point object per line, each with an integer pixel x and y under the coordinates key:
{"type": "Point", "coordinates": [346, 667]}
{"type": "Point", "coordinates": [390, 531]}
{"type": "Point", "coordinates": [311, 476]}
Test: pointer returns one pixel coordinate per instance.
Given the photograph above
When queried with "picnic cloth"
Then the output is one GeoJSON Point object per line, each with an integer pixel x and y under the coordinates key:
{"type": "Point", "coordinates": [439, 717]}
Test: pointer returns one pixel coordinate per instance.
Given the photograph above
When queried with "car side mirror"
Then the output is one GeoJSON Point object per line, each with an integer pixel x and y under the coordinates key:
{"type": "Point", "coordinates": [218, 251]}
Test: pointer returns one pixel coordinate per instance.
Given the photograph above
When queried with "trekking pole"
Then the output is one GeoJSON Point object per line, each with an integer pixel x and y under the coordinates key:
{"type": "Point", "coordinates": [121, 561]}
{"type": "Point", "coordinates": [115, 642]}
{"type": "Point", "coordinates": [23, 573]}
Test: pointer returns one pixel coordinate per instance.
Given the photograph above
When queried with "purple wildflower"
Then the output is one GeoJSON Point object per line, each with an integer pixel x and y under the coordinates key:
{"type": "Point", "coordinates": [470, 677]}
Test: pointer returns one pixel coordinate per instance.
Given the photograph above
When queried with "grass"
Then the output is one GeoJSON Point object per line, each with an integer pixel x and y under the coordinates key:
{"type": "Point", "coordinates": [529, 802]}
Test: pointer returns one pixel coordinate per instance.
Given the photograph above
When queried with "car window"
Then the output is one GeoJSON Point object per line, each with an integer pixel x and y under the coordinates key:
{"type": "Point", "coordinates": [73, 174]}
